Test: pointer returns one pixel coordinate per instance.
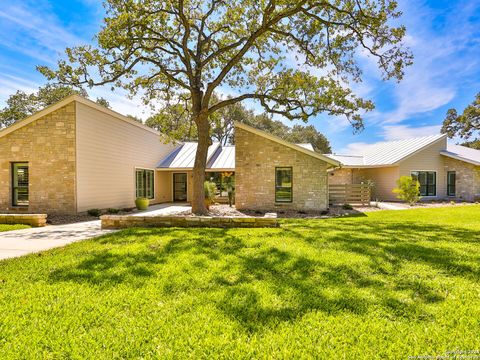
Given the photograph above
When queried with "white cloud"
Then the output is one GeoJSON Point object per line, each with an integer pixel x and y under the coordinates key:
{"type": "Point", "coordinates": [400, 132]}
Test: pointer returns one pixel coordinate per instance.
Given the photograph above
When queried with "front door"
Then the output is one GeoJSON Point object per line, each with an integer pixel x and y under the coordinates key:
{"type": "Point", "coordinates": [180, 187]}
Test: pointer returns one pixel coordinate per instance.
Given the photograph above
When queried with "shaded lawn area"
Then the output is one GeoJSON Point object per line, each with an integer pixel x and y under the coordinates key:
{"type": "Point", "coordinates": [391, 284]}
{"type": "Point", "coordinates": [4, 227]}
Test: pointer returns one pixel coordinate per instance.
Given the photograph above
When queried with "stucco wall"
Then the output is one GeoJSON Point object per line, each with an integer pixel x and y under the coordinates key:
{"type": "Point", "coordinates": [108, 151]}
{"type": "Point", "coordinates": [48, 145]}
{"type": "Point", "coordinates": [256, 159]}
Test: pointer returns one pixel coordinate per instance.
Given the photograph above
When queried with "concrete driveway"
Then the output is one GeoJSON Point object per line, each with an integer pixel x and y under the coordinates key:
{"type": "Point", "coordinates": [21, 242]}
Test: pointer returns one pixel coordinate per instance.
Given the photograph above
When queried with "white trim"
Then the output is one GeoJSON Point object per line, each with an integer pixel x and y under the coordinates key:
{"type": "Point", "coordinates": [65, 102]}
{"type": "Point", "coordinates": [457, 157]}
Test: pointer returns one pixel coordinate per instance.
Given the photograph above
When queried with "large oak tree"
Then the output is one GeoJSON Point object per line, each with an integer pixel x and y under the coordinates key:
{"type": "Point", "coordinates": [295, 57]}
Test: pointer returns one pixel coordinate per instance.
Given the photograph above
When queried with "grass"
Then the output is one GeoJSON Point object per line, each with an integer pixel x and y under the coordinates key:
{"type": "Point", "coordinates": [4, 227]}
{"type": "Point", "coordinates": [387, 285]}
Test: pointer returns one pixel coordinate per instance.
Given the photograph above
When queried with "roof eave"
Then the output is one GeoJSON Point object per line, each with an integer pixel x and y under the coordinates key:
{"type": "Point", "coordinates": [460, 158]}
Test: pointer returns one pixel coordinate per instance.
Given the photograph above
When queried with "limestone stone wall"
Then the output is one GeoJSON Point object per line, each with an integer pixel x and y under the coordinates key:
{"type": "Point", "coordinates": [255, 161]}
{"type": "Point", "coordinates": [467, 179]}
{"type": "Point", "coordinates": [340, 176]}
{"type": "Point", "coordinates": [48, 145]}
{"type": "Point", "coordinates": [129, 221]}
{"type": "Point", "coordinates": [35, 220]}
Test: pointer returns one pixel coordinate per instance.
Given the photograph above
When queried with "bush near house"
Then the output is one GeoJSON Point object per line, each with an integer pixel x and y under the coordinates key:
{"type": "Point", "coordinates": [386, 285]}
{"type": "Point", "coordinates": [408, 190]}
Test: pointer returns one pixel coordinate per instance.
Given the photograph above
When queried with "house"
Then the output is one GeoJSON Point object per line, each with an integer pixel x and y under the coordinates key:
{"type": "Point", "coordinates": [77, 155]}
{"type": "Point", "coordinates": [445, 171]}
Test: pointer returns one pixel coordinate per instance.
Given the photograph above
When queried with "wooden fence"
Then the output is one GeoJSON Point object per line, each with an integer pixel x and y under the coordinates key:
{"type": "Point", "coordinates": [349, 194]}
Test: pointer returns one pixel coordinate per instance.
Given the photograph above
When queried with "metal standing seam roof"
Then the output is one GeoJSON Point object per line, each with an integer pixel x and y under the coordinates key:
{"type": "Point", "coordinates": [386, 153]}
{"type": "Point", "coordinates": [462, 153]}
{"type": "Point", "coordinates": [223, 158]}
{"type": "Point", "coordinates": [183, 157]}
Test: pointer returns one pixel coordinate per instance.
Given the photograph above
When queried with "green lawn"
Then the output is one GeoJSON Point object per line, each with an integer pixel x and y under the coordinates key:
{"type": "Point", "coordinates": [384, 286]}
{"type": "Point", "coordinates": [4, 227]}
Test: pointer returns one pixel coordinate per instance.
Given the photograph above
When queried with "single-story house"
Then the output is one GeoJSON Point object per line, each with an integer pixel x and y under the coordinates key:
{"type": "Point", "coordinates": [77, 155]}
{"type": "Point", "coordinates": [445, 171]}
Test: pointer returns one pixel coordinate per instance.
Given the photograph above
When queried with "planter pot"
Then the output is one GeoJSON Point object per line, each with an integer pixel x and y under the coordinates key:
{"type": "Point", "coordinates": [142, 203]}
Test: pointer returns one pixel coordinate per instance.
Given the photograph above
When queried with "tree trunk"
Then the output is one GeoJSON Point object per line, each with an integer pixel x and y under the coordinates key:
{"type": "Point", "coordinates": [204, 141]}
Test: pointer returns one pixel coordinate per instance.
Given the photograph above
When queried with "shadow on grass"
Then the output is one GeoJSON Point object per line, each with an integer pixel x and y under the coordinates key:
{"type": "Point", "coordinates": [255, 280]}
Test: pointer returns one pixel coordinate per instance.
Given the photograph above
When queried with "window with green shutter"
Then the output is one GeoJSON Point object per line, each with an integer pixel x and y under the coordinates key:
{"type": "Point", "coordinates": [145, 180]}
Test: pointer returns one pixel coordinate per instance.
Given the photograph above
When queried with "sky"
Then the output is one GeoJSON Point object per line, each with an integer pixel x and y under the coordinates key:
{"type": "Point", "coordinates": [444, 37]}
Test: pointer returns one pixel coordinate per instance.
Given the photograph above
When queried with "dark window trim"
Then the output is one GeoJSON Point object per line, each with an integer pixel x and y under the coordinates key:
{"type": "Point", "coordinates": [186, 186]}
{"type": "Point", "coordinates": [427, 183]}
{"type": "Point", "coordinates": [291, 187]}
{"type": "Point", "coordinates": [14, 200]}
{"type": "Point", "coordinates": [144, 175]}
{"type": "Point", "coordinates": [450, 186]}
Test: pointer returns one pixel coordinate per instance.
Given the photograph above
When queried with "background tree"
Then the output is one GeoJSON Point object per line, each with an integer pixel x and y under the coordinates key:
{"type": "Point", "coordinates": [185, 50]}
{"type": "Point", "coordinates": [465, 125]}
{"type": "Point", "coordinates": [20, 105]}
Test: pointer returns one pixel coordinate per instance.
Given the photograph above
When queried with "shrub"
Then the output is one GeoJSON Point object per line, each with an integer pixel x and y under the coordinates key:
{"type": "Point", "coordinates": [408, 190]}
{"type": "Point", "coordinates": [113, 211]}
{"type": "Point", "coordinates": [347, 207]}
{"type": "Point", "coordinates": [210, 189]}
{"type": "Point", "coordinates": [94, 212]}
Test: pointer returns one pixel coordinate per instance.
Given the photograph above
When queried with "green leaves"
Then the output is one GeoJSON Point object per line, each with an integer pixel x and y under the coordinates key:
{"type": "Point", "coordinates": [465, 125]}
{"type": "Point", "coordinates": [164, 49]}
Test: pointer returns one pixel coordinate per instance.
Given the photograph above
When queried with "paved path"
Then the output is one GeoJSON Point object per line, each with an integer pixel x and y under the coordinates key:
{"type": "Point", "coordinates": [21, 242]}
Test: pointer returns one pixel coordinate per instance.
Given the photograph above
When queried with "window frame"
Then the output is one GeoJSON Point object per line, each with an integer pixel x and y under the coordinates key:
{"type": "Point", "coordinates": [145, 188]}
{"type": "Point", "coordinates": [15, 186]}
{"type": "Point", "coordinates": [277, 168]}
{"type": "Point", "coordinates": [454, 185]}
{"type": "Point", "coordinates": [427, 182]}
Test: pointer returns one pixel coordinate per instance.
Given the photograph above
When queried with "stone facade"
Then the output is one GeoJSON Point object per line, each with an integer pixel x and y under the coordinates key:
{"type": "Point", "coordinates": [255, 162]}
{"type": "Point", "coordinates": [48, 145]}
{"type": "Point", "coordinates": [35, 220]}
{"type": "Point", "coordinates": [340, 176]}
{"type": "Point", "coordinates": [467, 187]}
{"type": "Point", "coordinates": [129, 221]}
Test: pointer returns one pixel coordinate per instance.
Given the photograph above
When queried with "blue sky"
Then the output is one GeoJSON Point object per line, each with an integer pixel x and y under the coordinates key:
{"type": "Point", "coordinates": [443, 35]}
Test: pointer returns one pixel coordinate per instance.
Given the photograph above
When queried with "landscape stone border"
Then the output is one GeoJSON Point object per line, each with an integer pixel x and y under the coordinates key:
{"type": "Point", "coordinates": [35, 220]}
{"type": "Point", "coordinates": [129, 221]}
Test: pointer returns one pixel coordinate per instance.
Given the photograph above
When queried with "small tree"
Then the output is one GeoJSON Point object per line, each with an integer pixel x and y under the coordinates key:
{"type": "Point", "coordinates": [408, 190]}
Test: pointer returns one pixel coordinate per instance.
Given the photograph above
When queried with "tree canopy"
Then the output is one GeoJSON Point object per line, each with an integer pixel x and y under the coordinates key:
{"type": "Point", "coordinates": [174, 121]}
{"type": "Point", "coordinates": [21, 105]}
{"type": "Point", "coordinates": [466, 125]}
{"type": "Point", "coordinates": [297, 58]}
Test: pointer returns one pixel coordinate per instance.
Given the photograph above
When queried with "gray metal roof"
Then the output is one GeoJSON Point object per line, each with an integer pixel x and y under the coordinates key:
{"type": "Point", "coordinates": [462, 153]}
{"type": "Point", "coordinates": [183, 157]}
{"type": "Point", "coordinates": [386, 153]}
{"type": "Point", "coordinates": [223, 159]}
{"type": "Point", "coordinates": [307, 146]}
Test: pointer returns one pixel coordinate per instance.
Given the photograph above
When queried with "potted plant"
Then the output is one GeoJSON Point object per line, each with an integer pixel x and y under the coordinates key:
{"type": "Point", "coordinates": [142, 203]}
{"type": "Point", "coordinates": [210, 188]}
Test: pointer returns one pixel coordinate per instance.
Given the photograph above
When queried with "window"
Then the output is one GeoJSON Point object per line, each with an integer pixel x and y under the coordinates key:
{"type": "Point", "coordinates": [451, 182]}
{"type": "Point", "coordinates": [144, 183]}
{"type": "Point", "coordinates": [20, 184]}
{"type": "Point", "coordinates": [283, 184]}
{"type": "Point", "coordinates": [428, 182]}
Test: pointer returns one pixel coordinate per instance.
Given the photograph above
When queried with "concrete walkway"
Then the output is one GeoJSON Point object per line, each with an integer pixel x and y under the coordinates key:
{"type": "Point", "coordinates": [22, 242]}
{"type": "Point", "coordinates": [165, 209]}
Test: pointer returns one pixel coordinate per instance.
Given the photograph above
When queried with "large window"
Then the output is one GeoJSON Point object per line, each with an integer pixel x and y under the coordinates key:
{"type": "Point", "coordinates": [20, 184]}
{"type": "Point", "coordinates": [144, 183]}
{"type": "Point", "coordinates": [428, 182]}
{"type": "Point", "coordinates": [451, 182]}
{"type": "Point", "coordinates": [283, 184]}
